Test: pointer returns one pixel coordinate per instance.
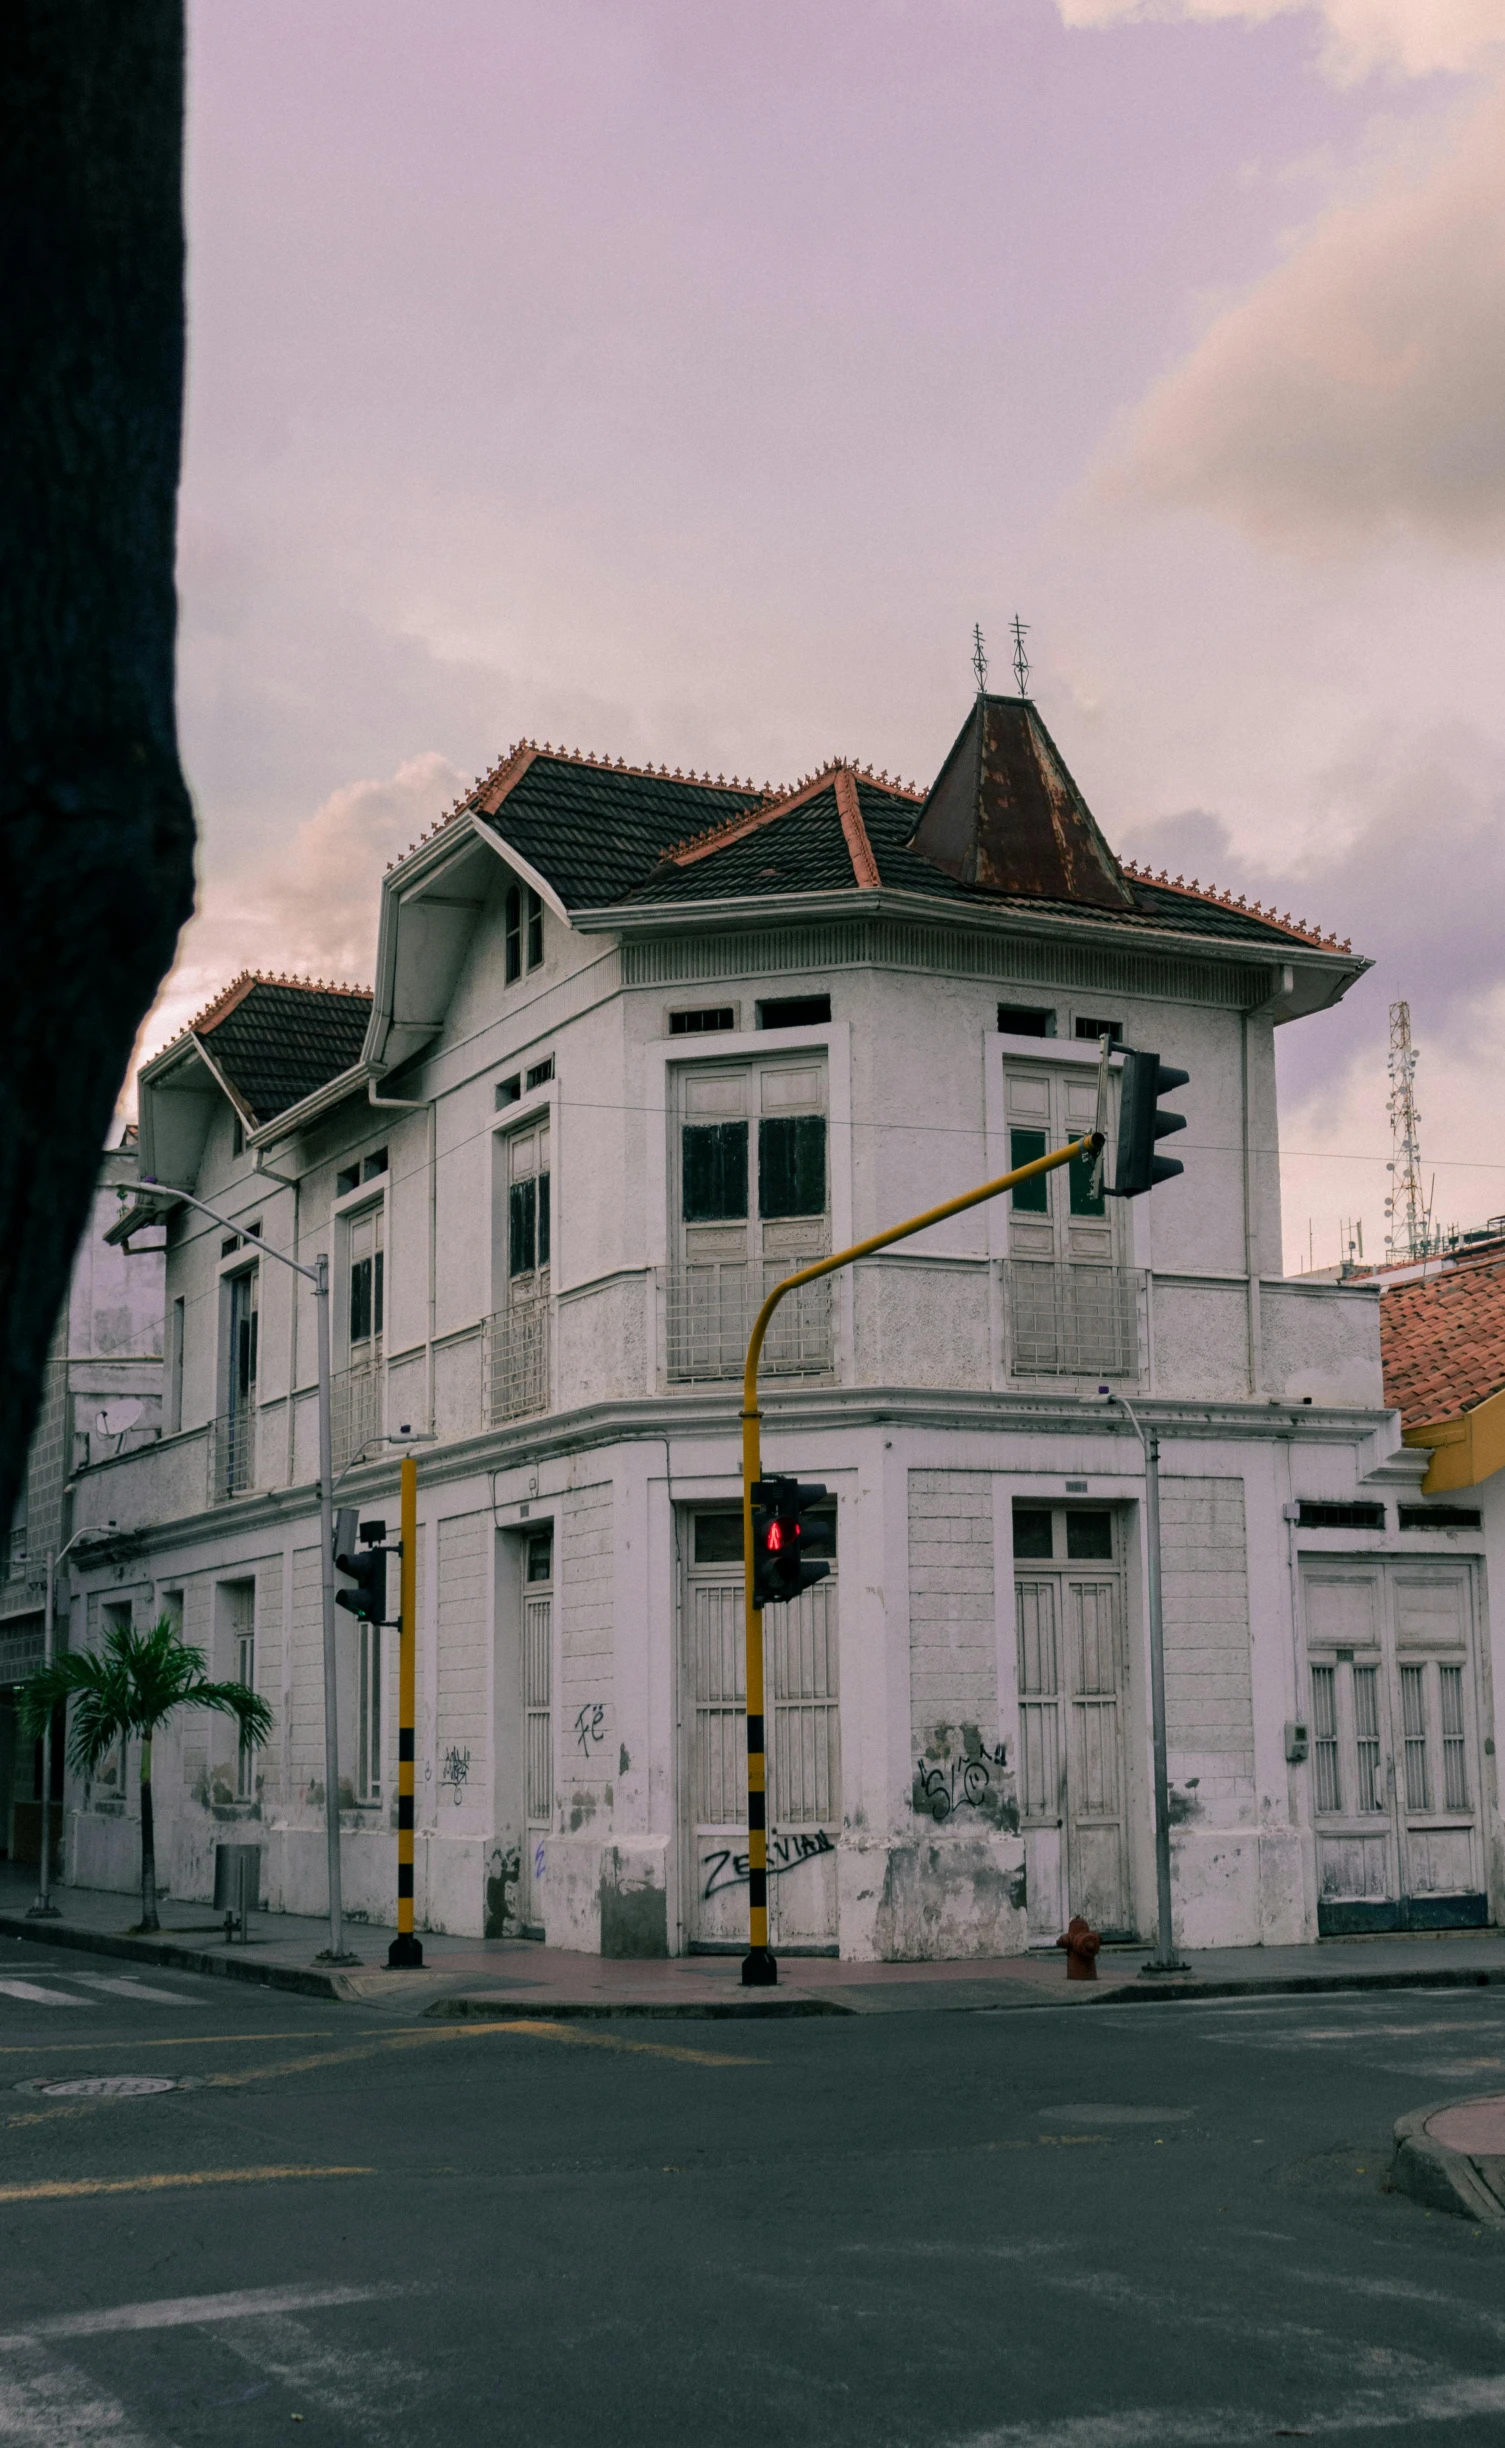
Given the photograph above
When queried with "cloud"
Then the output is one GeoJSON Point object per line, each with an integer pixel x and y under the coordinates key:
{"type": "Point", "coordinates": [1358, 392]}
{"type": "Point", "coordinates": [1408, 859]}
{"type": "Point", "coordinates": [1412, 38]}
{"type": "Point", "coordinates": [310, 908]}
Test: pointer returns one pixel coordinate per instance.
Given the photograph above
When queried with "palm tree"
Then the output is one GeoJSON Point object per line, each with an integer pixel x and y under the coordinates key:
{"type": "Point", "coordinates": [131, 1686]}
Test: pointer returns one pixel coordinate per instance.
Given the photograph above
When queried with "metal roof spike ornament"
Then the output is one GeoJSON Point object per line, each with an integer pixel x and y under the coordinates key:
{"type": "Point", "coordinates": [979, 659]}
{"type": "Point", "coordinates": [1021, 659]}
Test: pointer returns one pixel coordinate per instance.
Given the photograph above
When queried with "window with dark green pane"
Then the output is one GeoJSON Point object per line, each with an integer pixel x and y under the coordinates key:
{"type": "Point", "coordinates": [792, 1165]}
{"type": "Point", "coordinates": [1031, 1197]}
{"type": "Point", "coordinates": [1083, 1201]}
{"type": "Point", "coordinates": [522, 1225]}
{"type": "Point", "coordinates": [713, 1171]}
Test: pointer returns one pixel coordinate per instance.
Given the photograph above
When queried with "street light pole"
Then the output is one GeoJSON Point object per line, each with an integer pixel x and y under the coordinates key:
{"type": "Point", "coordinates": [318, 1276]}
{"type": "Point", "coordinates": [1165, 1958]}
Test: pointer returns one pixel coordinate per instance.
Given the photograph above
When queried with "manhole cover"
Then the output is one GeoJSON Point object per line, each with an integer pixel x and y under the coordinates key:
{"type": "Point", "coordinates": [102, 2086]}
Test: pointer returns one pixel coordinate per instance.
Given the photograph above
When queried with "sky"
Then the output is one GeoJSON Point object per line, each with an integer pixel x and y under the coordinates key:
{"type": "Point", "coordinates": [683, 383]}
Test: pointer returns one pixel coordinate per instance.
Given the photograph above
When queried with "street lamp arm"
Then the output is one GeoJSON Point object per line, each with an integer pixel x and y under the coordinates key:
{"type": "Point", "coordinates": [163, 1191]}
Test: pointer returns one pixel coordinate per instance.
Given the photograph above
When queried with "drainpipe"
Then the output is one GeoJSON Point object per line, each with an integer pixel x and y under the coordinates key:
{"type": "Point", "coordinates": [1284, 986]}
{"type": "Point", "coordinates": [428, 1105]}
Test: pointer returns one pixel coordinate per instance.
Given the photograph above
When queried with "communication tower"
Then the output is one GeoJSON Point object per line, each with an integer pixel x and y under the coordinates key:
{"type": "Point", "coordinates": [1409, 1210]}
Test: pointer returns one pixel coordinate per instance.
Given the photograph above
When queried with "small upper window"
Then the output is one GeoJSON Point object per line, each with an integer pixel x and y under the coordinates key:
{"type": "Point", "coordinates": [1025, 1020]}
{"type": "Point", "coordinates": [541, 1073]}
{"type": "Point", "coordinates": [509, 1090]}
{"type": "Point", "coordinates": [1440, 1517]}
{"type": "Point", "coordinates": [1089, 1538]}
{"type": "Point", "coordinates": [524, 930]}
{"type": "Point", "coordinates": [1113, 1030]}
{"type": "Point", "coordinates": [1032, 1532]}
{"type": "Point", "coordinates": [237, 1135]}
{"type": "Point", "coordinates": [702, 1023]}
{"type": "Point", "coordinates": [1317, 1514]}
{"type": "Point", "coordinates": [348, 1178]}
{"type": "Point", "coordinates": [540, 1555]}
{"type": "Point", "coordinates": [795, 1011]}
{"type": "Point", "coordinates": [374, 1165]}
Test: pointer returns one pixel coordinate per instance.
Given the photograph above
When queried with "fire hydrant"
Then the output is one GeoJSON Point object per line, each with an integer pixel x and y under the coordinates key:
{"type": "Point", "coordinates": [1081, 1944]}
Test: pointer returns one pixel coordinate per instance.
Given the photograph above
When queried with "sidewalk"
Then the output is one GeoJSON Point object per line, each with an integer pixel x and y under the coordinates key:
{"type": "Point", "coordinates": [481, 1975]}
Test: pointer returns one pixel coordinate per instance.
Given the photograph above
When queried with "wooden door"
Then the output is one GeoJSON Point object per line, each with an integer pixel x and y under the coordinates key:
{"type": "Point", "coordinates": [1394, 1774]}
{"type": "Point", "coordinates": [803, 1733]}
{"type": "Point", "coordinates": [537, 1684]}
{"type": "Point", "coordinates": [1069, 1640]}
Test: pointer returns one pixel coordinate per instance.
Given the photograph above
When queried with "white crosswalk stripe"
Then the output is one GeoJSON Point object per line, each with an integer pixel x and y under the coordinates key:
{"type": "Point", "coordinates": [129, 1987]}
{"type": "Point", "coordinates": [31, 1994]}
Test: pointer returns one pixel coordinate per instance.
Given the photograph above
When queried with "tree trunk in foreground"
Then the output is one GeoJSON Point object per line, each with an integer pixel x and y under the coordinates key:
{"type": "Point", "coordinates": [96, 832]}
{"type": "Point", "coordinates": [149, 1919]}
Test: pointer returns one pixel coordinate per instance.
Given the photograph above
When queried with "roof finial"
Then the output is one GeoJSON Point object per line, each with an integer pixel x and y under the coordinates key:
{"type": "Point", "coordinates": [979, 659]}
{"type": "Point", "coordinates": [1021, 659]}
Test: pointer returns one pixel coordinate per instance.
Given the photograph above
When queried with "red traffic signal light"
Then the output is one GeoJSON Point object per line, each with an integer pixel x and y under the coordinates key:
{"type": "Point", "coordinates": [780, 1567]}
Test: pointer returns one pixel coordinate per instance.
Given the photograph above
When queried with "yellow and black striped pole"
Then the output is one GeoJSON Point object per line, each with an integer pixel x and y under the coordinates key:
{"type": "Point", "coordinates": [406, 1952]}
{"type": "Point", "coordinates": [759, 1968]}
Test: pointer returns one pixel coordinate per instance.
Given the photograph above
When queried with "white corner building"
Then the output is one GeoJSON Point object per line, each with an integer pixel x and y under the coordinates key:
{"type": "Point", "coordinates": [639, 1044]}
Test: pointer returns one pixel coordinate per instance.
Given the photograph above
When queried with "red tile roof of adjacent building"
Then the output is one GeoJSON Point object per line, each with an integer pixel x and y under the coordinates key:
{"type": "Point", "coordinates": [1442, 1340]}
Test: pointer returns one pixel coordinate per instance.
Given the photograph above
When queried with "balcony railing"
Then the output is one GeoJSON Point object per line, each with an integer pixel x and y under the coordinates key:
{"type": "Point", "coordinates": [710, 1316]}
{"type": "Point", "coordinates": [355, 1411]}
{"type": "Point", "coordinates": [233, 1455]}
{"type": "Point", "coordinates": [1072, 1320]}
{"type": "Point", "coordinates": [517, 1362]}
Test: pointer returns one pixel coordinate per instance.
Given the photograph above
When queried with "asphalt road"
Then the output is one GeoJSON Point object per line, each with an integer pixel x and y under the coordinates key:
{"type": "Point", "coordinates": [1083, 2227]}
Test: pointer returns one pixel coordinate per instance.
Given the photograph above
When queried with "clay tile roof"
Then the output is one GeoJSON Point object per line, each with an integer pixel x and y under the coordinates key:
{"type": "Point", "coordinates": [601, 831]}
{"type": "Point", "coordinates": [276, 1039]}
{"type": "Point", "coordinates": [1442, 1340]}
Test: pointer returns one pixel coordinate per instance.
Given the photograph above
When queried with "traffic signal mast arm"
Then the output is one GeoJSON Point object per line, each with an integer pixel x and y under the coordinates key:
{"type": "Point", "coordinates": [759, 1969]}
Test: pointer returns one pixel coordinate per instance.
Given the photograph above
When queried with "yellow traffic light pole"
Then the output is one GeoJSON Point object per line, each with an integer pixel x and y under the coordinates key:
{"type": "Point", "coordinates": [759, 1970]}
{"type": "Point", "coordinates": [406, 1951]}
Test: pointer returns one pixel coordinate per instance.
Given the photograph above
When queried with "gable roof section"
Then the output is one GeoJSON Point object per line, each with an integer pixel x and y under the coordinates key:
{"type": "Point", "coordinates": [594, 829]}
{"type": "Point", "coordinates": [273, 1041]}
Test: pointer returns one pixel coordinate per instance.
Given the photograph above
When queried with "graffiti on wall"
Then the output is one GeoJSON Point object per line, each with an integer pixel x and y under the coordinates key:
{"type": "Point", "coordinates": [727, 1868]}
{"type": "Point", "coordinates": [974, 1782]}
{"type": "Point", "coordinates": [590, 1725]}
{"type": "Point", "coordinates": [456, 1770]}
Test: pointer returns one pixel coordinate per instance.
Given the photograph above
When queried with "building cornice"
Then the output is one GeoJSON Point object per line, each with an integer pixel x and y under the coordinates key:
{"type": "Point", "coordinates": [714, 1414]}
{"type": "Point", "coordinates": [743, 914]}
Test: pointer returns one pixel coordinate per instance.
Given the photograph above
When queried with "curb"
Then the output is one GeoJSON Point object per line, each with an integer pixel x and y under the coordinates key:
{"type": "Point", "coordinates": [1437, 2176]}
{"type": "Point", "coordinates": [342, 1988]}
{"type": "Point", "coordinates": [601, 2010]}
{"type": "Point", "coordinates": [304, 1982]}
{"type": "Point", "coordinates": [1299, 1984]}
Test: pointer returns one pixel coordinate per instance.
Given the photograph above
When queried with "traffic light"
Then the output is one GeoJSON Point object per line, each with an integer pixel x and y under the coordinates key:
{"type": "Point", "coordinates": [368, 1600]}
{"type": "Point", "coordinates": [780, 1568]}
{"type": "Point", "coordinates": [1146, 1079]}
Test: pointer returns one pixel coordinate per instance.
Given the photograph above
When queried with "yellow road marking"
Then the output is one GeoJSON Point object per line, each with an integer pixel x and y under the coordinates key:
{"type": "Point", "coordinates": [418, 2035]}
{"type": "Point", "coordinates": [608, 2040]}
{"type": "Point", "coordinates": [71, 2048]}
{"type": "Point", "coordinates": [427, 2036]}
{"type": "Point", "coordinates": [167, 2184]}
